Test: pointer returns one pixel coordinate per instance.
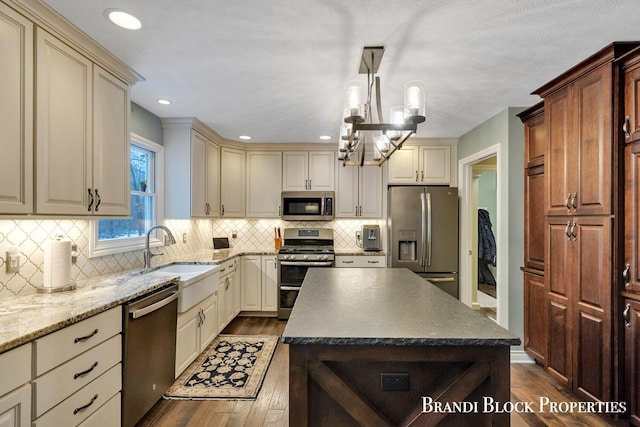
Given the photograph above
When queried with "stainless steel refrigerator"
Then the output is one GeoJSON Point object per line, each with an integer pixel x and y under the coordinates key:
{"type": "Point", "coordinates": [423, 233]}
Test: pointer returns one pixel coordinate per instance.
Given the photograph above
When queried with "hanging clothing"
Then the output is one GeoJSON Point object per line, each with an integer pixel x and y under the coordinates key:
{"type": "Point", "coordinates": [486, 248]}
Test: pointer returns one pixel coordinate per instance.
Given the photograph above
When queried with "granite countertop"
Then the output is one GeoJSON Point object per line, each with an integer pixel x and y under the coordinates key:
{"type": "Point", "coordinates": [374, 306]}
{"type": "Point", "coordinates": [28, 317]}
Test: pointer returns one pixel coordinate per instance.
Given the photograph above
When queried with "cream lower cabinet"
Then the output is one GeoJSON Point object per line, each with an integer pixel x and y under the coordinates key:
{"type": "Point", "coordinates": [264, 184]}
{"type": "Point", "coordinates": [16, 110]}
{"type": "Point", "coordinates": [78, 370]}
{"type": "Point", "coordinates": [15, 389]}
{"type": "Point", "coordinates": [196, 328]}
{"type": "Point", "coordinates": [360, 191]}
{"type": "Point", "coordinates": [259, 283]}
{"type": "Point", "coordinates": [232, 183]}
{"type": "Point", "coordinates": [227, 290]}
{"type": "Point", "coordinates": [421, 165]}
{"type": "Point", "coordinates": [82, 132]}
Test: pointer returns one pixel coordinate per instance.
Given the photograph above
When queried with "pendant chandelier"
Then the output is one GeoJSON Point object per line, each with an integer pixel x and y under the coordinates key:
{"type": "Point", "coordinates": [358, 129]}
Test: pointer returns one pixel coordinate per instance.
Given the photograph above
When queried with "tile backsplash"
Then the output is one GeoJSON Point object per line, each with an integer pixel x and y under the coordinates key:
{"type": "Point", "coordinates": [251, 234]}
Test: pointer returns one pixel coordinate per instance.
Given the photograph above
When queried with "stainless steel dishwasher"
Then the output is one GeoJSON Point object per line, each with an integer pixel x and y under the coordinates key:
{"type": "Point", "coordinates": [149, 351]}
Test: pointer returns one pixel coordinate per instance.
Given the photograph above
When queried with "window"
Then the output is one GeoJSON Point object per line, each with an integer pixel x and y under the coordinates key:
{"type": "Point", "coordinates": [110, 236]}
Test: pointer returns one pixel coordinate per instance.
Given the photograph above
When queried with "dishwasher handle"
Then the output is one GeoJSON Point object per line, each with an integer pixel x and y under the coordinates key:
{"type": "Point", "coordinates": [155, 306]}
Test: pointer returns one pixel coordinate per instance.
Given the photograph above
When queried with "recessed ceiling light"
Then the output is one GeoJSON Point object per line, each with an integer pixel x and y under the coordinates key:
{"type": "Point", "coordinates": [164, 101]}
{"type": "Point", "coordinates": [245, 137]}
{"type": "Point", "coordinates": [123, 19]}
{"type": "Point", "coordinates": [325, 137]}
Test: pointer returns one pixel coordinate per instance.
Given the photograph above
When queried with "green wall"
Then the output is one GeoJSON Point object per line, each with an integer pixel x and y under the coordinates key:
{"type": "Point", "coordinates": [506, 130]}
{"type": "Point", "coordinates": [145, 124]}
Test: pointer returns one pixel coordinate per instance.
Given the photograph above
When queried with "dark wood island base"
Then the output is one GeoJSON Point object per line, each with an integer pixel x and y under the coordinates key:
{"type": "Point", "coordinates": [386, 348]}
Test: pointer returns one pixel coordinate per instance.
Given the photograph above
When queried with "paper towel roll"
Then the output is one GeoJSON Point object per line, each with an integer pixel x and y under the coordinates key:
{"type": "Point", "coordinates": [57, 263]}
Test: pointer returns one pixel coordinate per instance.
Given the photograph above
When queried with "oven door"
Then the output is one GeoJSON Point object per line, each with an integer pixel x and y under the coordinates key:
{"type": "Point", "coordinates": [290, 277]}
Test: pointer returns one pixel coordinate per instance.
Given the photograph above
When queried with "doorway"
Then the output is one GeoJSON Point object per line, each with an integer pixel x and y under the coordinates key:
{"type": "Point", "coordinates": [480, 184]}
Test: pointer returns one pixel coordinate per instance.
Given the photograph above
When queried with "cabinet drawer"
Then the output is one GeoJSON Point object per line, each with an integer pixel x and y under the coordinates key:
{"type": "Point", "coordinates": [58, 347]}
{"type": "Point", "coordinates": [63, 381]}
{"type": "Point", "coordinates": [227, 267]}
{"type": "Point", "coordinates": [107, 416]}
{"type": "Point", "coordinates": [79, 406]}
{"type": "Point", "coordinates": [15, 368]}
{"type": "Point", "coordinates": [375, 261]}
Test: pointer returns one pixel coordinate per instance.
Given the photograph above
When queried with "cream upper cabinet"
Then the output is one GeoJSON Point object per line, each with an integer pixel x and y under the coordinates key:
{"type": "Point", "coordinates": [423, 165]}
{"type": "Point", "coordinates": [82, 132]}
{"type": "Point", "coordinates": [264, 178]}
{"type": "Point", "coordinates": [232, 183]}
{"type": "Point", "coordinates": [308, 170]}
{"type": "Point", "coordinates": [359, 192]}
{"type": "Point", "coordinates": [16, 110]}
{"type": "Point", "coordinates": [192, 170]}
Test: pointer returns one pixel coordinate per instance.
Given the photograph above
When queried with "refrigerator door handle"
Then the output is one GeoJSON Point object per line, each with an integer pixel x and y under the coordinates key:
{"type": "Point", "coordinates": [429, 245]}
{"type": "Point", "coordinates": [423, 228]}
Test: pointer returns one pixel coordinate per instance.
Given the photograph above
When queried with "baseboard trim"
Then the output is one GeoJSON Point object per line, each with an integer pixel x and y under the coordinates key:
{"type": "Point", "coordinates": [519, 356]}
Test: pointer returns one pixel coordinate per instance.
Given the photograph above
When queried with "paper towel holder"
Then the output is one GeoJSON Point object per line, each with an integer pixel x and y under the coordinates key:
{"type": "Point", "coordinates": [69, 287]}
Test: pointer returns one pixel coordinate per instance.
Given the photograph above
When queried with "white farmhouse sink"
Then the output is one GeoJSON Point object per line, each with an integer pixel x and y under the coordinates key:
{"type": "Point", "coordinates": [197, 281]}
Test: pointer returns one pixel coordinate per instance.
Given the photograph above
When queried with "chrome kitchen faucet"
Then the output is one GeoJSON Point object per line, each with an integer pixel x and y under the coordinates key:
{"type": "Point", "coordinates": [147, 250]}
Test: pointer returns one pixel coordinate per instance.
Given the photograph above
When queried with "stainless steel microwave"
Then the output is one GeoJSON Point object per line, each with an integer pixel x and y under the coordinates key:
{"type": "Point", "coordinates": [307, 205]}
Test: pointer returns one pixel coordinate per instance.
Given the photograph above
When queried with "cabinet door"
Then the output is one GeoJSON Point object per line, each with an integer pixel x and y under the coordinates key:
{"type": "Point", "coordinates": [592, 132]}
{"type": "Point", "coordinates": [237, 295]}
{"type": "Point", "coordinates": [404, 165]}
{"type": "Point", "coordinates": [535, 141]}
{"type": "Point", "coordinates": [347, 200]}
{"type": "Point", "coordinates": [321, 170]}
{"type": "Point", "coordinates": [269, 284]}
{"type": "Point", "coordinates": [209, 326]}
{"type": "Point", "coordinates": [534, 217]}
{"type": "Point", "coordinates": [232, 183]}
{"type": "Point", "coordinates": [559, 281]}
{"type": "Point", "coordinates": [632, 359]}
{"type": "Point", "coordinates": [561, 158]}
{"type": "Point", "coordinates": [535, 317]}
{"type": "Point", "coordinates": [371, 191]}
{"type": "Point", "coordinates": [63, 129]}
{"type": "Point", "coordinates": [592, 346]}
{"type": "Point", "coordinates": [435, 165]}
{"type": "Point", "coordinates": [223, 294]}
{"type": "Point", "coordinates": [632, 103]}
{"type": "Point", "coordinates": [630, 271]}
{"type": "Point", "coordinates": [16, 110]}
{"type": "Point", "coordinates": [212, 204]}
{"type": "Point", "coordinates": [111, 154]}
{"type": "Point", "coordinates": [187, 339]}
{"type": "Point", "coordinates": [295, 175]}
{"type": "Point", "coordinates": [198, 175]}
{"type": "Point", "coordinates": [251, 283]}
{"type": "Point", "coordinates": [264, 178]}
{"type": "Point", "coordinates": [15, 408]}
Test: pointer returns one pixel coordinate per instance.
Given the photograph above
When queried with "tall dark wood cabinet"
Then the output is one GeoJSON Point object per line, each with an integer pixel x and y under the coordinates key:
{"type": "Point", "coordinates": [630, 264]}
{"type": "Point", "coordinates": [582, 226]}
{"type": "Point", "coordinates": [535, 320]}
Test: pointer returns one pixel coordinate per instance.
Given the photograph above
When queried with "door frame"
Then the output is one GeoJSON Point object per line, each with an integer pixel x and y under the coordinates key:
{"type": "Point", "coordinates": [468, 248]}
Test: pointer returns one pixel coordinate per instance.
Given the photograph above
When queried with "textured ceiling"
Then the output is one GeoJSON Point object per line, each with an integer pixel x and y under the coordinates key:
{"type": "Point", "coordinates": [275, 69]}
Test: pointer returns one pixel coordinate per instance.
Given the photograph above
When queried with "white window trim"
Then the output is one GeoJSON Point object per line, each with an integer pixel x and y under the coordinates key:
{"type": "Point", "coordinates": [99, 248]}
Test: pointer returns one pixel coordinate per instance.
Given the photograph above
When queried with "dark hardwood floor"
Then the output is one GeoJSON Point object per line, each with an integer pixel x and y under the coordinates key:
{"type": "Point", "coordinates": [528, 383]}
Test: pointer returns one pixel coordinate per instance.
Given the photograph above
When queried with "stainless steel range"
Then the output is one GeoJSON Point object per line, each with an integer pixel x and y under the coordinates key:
{"type": "Point", "coordinates": [303, 248]}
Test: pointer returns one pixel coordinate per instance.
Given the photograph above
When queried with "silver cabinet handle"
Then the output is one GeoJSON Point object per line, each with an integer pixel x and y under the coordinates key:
{"type": "Point", "coordinates": [421, 176]}
{"type": "Point", "coordinates": [568, 201]}
{"type": "Point", "coordinates": [90, 200]}
{"type": "Point", "coordinates": [306, 184]}
{"type": "Point", "coordinates": [309, 184]}
{"type": "Point", "coordinates": [83, 373]}
{"type": "Point", "coordinates": [416, 176]}
{"type": "Point", "coordinates": [346, 262]}
{"type": "Point", "coordinates": [573, 231]}
{"type": "Point", "coordinates": [625, 275]}
{"type": "Point", "coordinates": [625, 315]}
{"type": "Point", "coordinates": [82, 408]}
{"type": "Point", "coordinates": [625, 127]}
{"type": "Point", "coordinates": [566, 230]}
{"type": "Point", "coordinates": [86, 337]}
{"type": "Point", "coordinates": [373, 262]}
{"type": "Point", "coordinates": [98, 199]}
{"type": "Point", "coordinates": [222, 213]}
{"type": "Point", "coordinates": [574, 201]}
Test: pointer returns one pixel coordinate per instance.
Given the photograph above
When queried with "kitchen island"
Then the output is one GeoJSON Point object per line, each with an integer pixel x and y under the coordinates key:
{"type": "Point", "coordinates": [383, 347]}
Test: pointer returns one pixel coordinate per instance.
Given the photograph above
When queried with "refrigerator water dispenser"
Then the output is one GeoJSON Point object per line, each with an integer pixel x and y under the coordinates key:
{"type": "Point", "coordinates": [407, 245]}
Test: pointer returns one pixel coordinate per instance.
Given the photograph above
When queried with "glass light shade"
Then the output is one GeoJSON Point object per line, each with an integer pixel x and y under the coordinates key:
{"type": "Point", "coordinates": [414, 100]}
{"type": "Point", "coordinates": [354, 99]}
{"type": "Point", "coordinates": [396, 117]}
{"type": "Point", "coordinates": [381, 142]}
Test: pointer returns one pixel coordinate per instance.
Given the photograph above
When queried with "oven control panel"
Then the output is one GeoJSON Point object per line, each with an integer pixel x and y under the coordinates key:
{"type": "Point", "coordinates": [306, 257]}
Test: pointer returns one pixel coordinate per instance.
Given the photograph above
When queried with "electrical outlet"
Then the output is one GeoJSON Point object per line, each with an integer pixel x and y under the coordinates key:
{"type": "Point", "coordinates": [394, 381]}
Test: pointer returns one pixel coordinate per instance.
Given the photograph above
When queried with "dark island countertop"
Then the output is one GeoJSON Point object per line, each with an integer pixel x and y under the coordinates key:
{"type": "Point", "coordinates": [375, 306]}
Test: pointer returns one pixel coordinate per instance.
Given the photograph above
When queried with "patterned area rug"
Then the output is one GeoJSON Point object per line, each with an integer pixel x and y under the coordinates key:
{"type": "Point", "coordinates": [232, 367]}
